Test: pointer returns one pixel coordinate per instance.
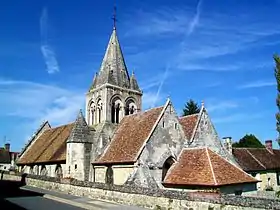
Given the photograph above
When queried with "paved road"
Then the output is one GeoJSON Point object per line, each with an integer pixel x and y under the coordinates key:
{"type": "Point", "coordinates": [30, 198]}
{"type": "Point", "coordinates": [13, 198]}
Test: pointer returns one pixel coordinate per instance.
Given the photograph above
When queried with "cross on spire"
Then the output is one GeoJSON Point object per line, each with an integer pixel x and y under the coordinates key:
{"type": "Point", "coordinates": [115, 16]}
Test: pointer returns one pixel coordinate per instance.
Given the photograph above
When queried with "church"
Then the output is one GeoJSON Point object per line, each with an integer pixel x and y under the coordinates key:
{"type": "Point", "coordinates": [116, 142]}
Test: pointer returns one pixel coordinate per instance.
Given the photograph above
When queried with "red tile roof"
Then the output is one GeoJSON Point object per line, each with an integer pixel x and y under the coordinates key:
{"type": "Point", "coordinates": [188, 123]}
{"type": "Point", "coordinates": [49, 147]}
{"type": "Point", "coordinates": [203, 167]}
{"type": "Point", "coordinates": [257, 159]}
{"type": "Point", "coordinates": [130, 137]}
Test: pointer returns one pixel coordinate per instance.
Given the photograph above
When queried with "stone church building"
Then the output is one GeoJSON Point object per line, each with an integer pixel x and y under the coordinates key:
{"type": "Point", "coordinates": [117, 142]}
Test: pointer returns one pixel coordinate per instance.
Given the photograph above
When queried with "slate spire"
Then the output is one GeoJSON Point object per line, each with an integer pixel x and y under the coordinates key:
{"type": "Point", "coordinates": [113, 69]}
{"type": "Point", "coordinates": [80, 132]}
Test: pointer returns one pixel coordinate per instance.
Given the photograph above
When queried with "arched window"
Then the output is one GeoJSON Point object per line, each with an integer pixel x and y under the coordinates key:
{"type": "Point", "coordinates": [36, 170]}
{"type": "Point", "coordinates": [44, 171]}
{"type": "Point", "coordinates": [113, 112]}
{"type": "Point", "coordinates": [99, 111]}
{"type": "Point", "coordinates": [31, 170]}
{"type": "Point", "coordinates": [117, 113]}
{"type": "Point", "coordinates": [166, 166]}
{"type": "Point", "coordinates": [130, 107]}
{"type": "Point", "coordinates": [116, 110]}
{"type": "Point", "coordinates": [58, 171]}
{"type": "Point", "coordinates": [109, 179]}
{"type": "Point", "coordinates": [92, 113]}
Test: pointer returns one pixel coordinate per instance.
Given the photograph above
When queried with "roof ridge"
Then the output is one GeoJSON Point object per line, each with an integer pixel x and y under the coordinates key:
{"type": "Point", "coordinates": [59, 126]}
{"type": "Point", "coordinates": [196, 125]}
{"type": "Point", "coordinates": [154, 127]}
{"type": "Point", "coordinates": [190, 115]}
{"type": "Point", "coordinates": [255, 159]}
{"type": "Point", "coordinates": [142, 112]}
{"type": "Point", "coordinates": [211, 167]}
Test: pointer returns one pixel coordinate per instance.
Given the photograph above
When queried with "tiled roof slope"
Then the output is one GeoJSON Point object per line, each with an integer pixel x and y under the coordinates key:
{"type": "Point", "coordinates": [257, 159]}
{"type": "Point", "coordinates": [130, 137]}
{"type": "Point", "coordinates": [49, 147]}
{"type": "Point", "coordinates": [188, 123]}
{"type": "Point", "coordinates": [203, 167]}
{"type": "Point", "coordinates": [4, 156]}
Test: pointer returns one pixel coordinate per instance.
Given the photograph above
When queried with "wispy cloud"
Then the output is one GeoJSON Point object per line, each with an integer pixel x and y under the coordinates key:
{"type": "Point", "coordinates": [161, 84]}
{"type": "Point", "coordinates": [239, 117]}
{"type": "Point", "coordinates": [46, 49]}
{"type": "Point", "coordinates": [221, 106]}
{"type": "Point", "coordinates": [257, 84]}
{"type": "Point", "coordinates": [56, 104]}
{"type": "Point", "coordinates": [195, 21]}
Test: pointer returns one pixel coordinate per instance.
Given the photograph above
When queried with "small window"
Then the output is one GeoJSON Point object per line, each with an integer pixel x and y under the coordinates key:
{"type": "Point", "coordinates": [175, 125]}
{"type": "Point", "coordinates": [75, 166]}
{"type": "Point", "coordinates": [163, 124]}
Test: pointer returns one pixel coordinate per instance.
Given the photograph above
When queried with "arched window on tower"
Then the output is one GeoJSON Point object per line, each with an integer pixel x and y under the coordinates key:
{"type": "Point", "coordinates": [127, 109]}
{"type": "Point", "coordinates": [113, 110]}
{"type": "Point", "coordinates": [99, 111]}
{"type": "Point", "coordinates": [117, 113]}
{"type": "Point", "coordinates": [92, 114]}
{"type": "Point", "coordinates": [130, 107]}
{"type": "Point", "coordinates": [166, 166]}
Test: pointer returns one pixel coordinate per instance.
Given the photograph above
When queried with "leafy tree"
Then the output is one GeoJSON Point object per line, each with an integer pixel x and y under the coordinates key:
{"type": "Point", "coordinates": [249, 141]}
{"type": "Point", "coordinates": [277, 77]}
{"type": "Point", "coordinates": [191, 107]}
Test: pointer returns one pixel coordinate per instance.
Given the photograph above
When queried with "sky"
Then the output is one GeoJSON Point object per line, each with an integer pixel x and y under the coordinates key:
{"type": "Point", "coordinates": [219, 52]}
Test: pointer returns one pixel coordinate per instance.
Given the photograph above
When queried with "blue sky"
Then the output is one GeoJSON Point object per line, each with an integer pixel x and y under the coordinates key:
{"type": "Point", "coordinates": [216, 51]}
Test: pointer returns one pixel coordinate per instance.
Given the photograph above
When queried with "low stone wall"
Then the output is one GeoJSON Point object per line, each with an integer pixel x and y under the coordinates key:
{"type": "Point", "coordinates": [148, 198]}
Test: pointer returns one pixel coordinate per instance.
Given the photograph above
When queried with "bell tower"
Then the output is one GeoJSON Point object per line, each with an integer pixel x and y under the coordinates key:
{"type": "Point", "coordinates": [113, 93]}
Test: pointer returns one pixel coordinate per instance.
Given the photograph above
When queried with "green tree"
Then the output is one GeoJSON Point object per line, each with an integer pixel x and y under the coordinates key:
{"type": "Point", "coordinates": [191, 107]}
{"type": "Point", "coordinates": [248, 141]}
{"type": "Point", "coordinates": [277, 77]}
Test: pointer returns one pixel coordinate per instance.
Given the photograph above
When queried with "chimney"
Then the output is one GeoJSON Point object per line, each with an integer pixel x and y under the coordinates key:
{"type": "Point", "coordinates": [268, 144]}
{"type": "Point", "coordinates": [228, 144]}
{"type": "Point", "coordinates": [7, 147]}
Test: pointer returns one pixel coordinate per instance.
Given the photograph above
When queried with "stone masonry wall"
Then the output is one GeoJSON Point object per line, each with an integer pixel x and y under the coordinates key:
{"type": "Point", "coordinates": [149, 198]}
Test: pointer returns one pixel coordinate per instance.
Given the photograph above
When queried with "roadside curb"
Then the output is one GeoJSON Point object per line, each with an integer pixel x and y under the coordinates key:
{"type": "Point", "coordinates": [73, 203]}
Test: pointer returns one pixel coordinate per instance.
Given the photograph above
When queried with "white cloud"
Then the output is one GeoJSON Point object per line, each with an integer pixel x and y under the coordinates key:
{"type": "Point", "coordinates": [37, 102]}
{"type": "Point", "coordinates": [220, 106]}
{"type": "Point", "coordinates": [238, 117]}
{"type": "Point", "coordinates": [257, 84]}
{"type": "Point", "coordinates": [161, 84]}
{"type": "Point", "coordinates": [151, 99]}
{"type": "Point", "coordinates": [217, 35]}
{"type": "Point", "coordinates": [195, 21]}
{"type": "Point", "coordinates": [46, 49]}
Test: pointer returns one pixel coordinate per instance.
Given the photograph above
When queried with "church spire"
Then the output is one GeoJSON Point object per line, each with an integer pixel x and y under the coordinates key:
{"type": "Point", "coordinates": [113, 69]}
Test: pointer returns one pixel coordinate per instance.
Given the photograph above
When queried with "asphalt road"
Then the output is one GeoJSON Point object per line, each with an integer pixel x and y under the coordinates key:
{"type": "Point", "coordinates": [13, 198]}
